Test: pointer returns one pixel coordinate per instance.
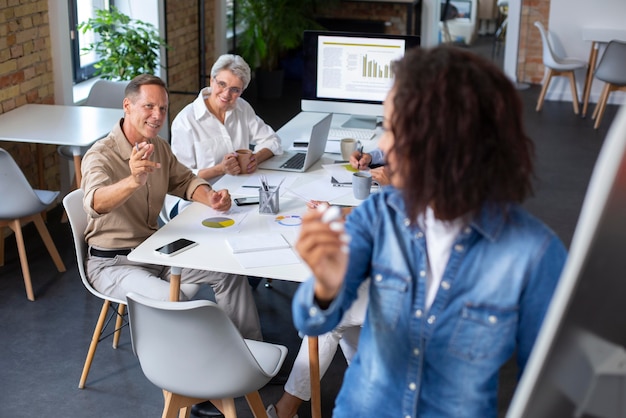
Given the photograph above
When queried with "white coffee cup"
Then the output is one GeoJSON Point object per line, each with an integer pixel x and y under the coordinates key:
{"type": "Point", "coordinates": [348, 146]}
{"type": "Point", "coordinates": [361, 184]}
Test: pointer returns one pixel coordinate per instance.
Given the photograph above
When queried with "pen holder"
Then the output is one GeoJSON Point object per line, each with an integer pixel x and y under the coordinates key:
{"type": "Point", "coordinates": [268, 200]}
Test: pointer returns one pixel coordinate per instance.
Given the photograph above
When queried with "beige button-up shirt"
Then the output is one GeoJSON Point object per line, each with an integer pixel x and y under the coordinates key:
{"type": "Point", "coordinates": [130, 224]}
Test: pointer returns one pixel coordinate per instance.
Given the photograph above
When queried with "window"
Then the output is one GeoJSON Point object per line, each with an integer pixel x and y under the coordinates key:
{"type": "Point", "coordinates": [80, 11]}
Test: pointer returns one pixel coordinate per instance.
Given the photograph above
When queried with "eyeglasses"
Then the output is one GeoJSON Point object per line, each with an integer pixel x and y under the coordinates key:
{"type": "Point", "coordinates": [232, 90]}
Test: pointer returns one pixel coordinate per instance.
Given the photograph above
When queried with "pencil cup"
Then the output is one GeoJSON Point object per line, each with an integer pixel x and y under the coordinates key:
{"type": "Point", "coordinates": [268, 200]}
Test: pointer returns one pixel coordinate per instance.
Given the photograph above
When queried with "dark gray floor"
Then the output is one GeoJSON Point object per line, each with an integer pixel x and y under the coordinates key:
{"type": "Point", "coordinates": [44, 343]}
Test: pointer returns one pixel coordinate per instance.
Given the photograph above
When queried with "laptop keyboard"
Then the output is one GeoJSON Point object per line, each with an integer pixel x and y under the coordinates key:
{"type": "Point", "coordinates": [295, 162]}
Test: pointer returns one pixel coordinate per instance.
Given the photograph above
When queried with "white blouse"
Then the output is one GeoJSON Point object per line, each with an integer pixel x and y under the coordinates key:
{"type": "Point", "coordinates": [200, 140]}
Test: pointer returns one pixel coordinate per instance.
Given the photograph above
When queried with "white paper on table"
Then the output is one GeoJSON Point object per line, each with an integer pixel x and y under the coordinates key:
{"type": "Point", "coordinates": [333, 146]}
{"type": "Point", "coordinates": [251, 186]}
{"type": "Point", "coordinates": [320, 189]}
{"type": "Point", "coordinates": [245, 243]}
{"type": "Point", "coordinates": [342, 172]}
{"type": "Point", "coordinates": [267, 258]}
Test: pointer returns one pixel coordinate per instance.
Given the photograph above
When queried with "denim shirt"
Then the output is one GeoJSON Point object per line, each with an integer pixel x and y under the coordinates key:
{"type": "Point", "coordinates": [443, 362]}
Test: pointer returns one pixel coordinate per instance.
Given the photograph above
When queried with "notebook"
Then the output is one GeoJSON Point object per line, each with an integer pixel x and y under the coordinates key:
{"type": "Point", "coordinates": [300, 161]}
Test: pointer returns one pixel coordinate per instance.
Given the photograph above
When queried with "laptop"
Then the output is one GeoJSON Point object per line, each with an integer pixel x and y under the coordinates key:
{"type": "Point", "coordinates": [300, 161]}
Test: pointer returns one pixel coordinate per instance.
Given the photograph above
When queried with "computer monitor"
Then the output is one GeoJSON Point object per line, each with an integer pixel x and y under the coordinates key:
{"type": "Point", "coordinates": [578, 365]}
{"type": "Point", "coordinates": [350, 73]}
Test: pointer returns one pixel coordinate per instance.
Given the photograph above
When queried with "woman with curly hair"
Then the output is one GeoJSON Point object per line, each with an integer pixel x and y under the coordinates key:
{"type": "Point", "coordinates": [461, 275]}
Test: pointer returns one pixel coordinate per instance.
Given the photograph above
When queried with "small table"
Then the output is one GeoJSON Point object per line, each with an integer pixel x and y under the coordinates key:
{"type": "Point", "coordinates": [74, 126]}
{"type": "Point", "coordinates": [597, 36]}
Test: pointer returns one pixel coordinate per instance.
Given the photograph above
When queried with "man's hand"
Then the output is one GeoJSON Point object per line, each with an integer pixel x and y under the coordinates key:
{"type": "Point", "coordinates": [220, 200]}
{"type": "Point", "coordinates": [140, 164]}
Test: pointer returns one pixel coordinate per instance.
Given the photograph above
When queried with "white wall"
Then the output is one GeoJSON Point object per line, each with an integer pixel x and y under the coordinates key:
{"type": "Point", "coordinates": [567, 19]}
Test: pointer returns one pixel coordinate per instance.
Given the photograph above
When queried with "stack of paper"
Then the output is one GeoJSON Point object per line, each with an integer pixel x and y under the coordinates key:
{"type": "Point", "coordinates": [245, 243]}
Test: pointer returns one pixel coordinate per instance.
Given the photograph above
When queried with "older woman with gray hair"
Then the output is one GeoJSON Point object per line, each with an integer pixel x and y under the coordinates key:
{"type": "Point", "coordinates": [208, 131]}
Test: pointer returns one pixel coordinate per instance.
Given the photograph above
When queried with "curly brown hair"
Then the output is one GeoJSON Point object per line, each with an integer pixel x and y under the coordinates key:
{"type": "Point", "coordinates": [459, 140]}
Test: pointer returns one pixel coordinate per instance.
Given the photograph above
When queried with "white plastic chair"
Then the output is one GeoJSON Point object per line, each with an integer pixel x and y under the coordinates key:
{"type": "Point", "coordinates": [103, 93]}
{"type": "Point", "coordinates": [194, 353]}
{"type": "Point", "coordinates": [611, 70]}
{"type": "Point", "coordinates": [557, 65]}
{"type": "Point", "coordinates": [73, 203]}
{"type": "Point", "coordinates": [19, 205]}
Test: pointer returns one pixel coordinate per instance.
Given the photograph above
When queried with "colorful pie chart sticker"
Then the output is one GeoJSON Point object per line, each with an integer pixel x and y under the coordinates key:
{"type": "Point", "coordinates": [289, 220]}
{"type": "Point", "coordinates": [218, 222]}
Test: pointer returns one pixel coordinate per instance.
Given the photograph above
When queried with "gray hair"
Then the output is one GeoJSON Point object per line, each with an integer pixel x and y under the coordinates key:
{"type": "Point", "coordinates": [235, 64]}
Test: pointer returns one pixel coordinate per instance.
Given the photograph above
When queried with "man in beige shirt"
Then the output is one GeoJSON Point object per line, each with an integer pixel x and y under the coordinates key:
{"type": "Point", "coordinates": [126, 176]}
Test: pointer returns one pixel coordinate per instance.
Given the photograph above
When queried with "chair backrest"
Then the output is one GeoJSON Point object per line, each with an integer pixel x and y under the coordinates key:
{"type": "Point", "coordinates": [550, 58]}
{"type": "Point", "coordinates": [612, 66]}
{"type": "Point", "coordinates": [73, 203]}
{"type": "Point", "coordinates": [18, 199]}
{"type": "Point", "coordinates": [106, 93]}
{"type": "Point", "coordinates": [192, 348]}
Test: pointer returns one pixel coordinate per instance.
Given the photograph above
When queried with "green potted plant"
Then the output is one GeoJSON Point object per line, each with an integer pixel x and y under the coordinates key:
{"type": "Point", "coordinates": [126, 47]}
{"type": "Point", "coordinates": [272, 28]}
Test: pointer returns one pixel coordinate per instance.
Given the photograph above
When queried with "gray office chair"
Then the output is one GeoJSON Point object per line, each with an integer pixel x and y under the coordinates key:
{"type": "Point", "coordinates": [194, 353]}
{"type": "Point", "coordinates": [19, 205]}
{"type": "Point", "coordinates": [103, 93]}
{"type": "Point", "coordinates": [557, 65]}
{"type": "Point", "coordinates": [611, 70]}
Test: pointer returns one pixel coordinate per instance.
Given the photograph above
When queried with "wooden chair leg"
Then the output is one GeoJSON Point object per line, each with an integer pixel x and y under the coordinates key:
{"type": "Point", "coordinates": [47, 240]}
{"type": "Point", "coordinates": [572, 83]}
{"type": "Point", "coordinates": [94, 343]}
{"type": "Point", "coordinates": [175, 404]}
{"type": "Point", "coordinates": [256, 405]}
{"type": "Point", "coordinates": [601, 106]}
{"type": "Point", "coordinates": [594, 115]}
{"type": "Point", "coordinates": [118, 324]}
{"type": "Point", "coordinates": [226, 406]}
{"type": "Point", "coordinates": [544, 89]}
{"type": "Point", "coordinates": [16, 226]}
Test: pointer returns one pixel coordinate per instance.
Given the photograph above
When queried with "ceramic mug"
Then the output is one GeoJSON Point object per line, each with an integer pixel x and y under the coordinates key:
{"type": "Point", "coordinates": [348, 146]}
{"type": "Point", "coordinates": [361, 184]}
{"type": "Point", "coordinates": [243, 156]}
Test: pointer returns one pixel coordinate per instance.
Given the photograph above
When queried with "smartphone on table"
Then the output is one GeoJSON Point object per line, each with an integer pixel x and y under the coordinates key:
{"type": "Point", "coordinates": [176, 247]}
{"type": "Point", "coordinates": [242, 201]}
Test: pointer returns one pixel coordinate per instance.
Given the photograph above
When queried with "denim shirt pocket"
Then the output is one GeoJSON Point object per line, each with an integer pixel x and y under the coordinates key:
{"type": "Point", "coordinates": [388, 289]}
{"type": "Point", "coordinates": [483, 331]}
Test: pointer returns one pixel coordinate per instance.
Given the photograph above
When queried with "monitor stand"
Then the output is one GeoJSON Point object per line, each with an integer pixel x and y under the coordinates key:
{"type": "Point", "coordinates": [360, 122]}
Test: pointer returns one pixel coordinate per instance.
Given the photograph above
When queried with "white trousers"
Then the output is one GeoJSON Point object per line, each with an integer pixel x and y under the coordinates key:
{"type": "Point", "coordinates": [345, 334]}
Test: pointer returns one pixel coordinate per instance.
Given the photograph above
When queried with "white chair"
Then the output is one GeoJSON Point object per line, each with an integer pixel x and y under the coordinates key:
{"type": "Point", "coordinates": [103, 93]}
{"type": "Point", "coordinates": [611, 70]}
{"type": "Point", "coordinates": [557, 65]}
{"type": "Point", "coordinates": [194, 353]}
{"type": "Point", "coordinates": [73, 203]}
{"type": "Point", "coordinates": [19, 205]}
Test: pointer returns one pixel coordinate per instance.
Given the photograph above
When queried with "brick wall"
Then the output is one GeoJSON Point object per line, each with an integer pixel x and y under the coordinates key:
{"type": "Point", "coordinates": [184, 58]}
{"type": "Point", "coordinates": [530, 67]}
{"type": "Point", "coordinates": [26, 77]}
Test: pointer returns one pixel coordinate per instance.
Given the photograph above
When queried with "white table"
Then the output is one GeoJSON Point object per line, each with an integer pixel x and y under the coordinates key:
{"type": "Point", "coordinates": [213, 254]}
{"type": "Point", "coordinates": [597, 36]}
{"type": "Point", "coordinates": [74, 126]}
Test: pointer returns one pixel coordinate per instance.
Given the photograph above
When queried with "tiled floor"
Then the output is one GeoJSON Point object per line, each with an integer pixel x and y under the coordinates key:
{"type": "Point", "coordinates": [44, 343]}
